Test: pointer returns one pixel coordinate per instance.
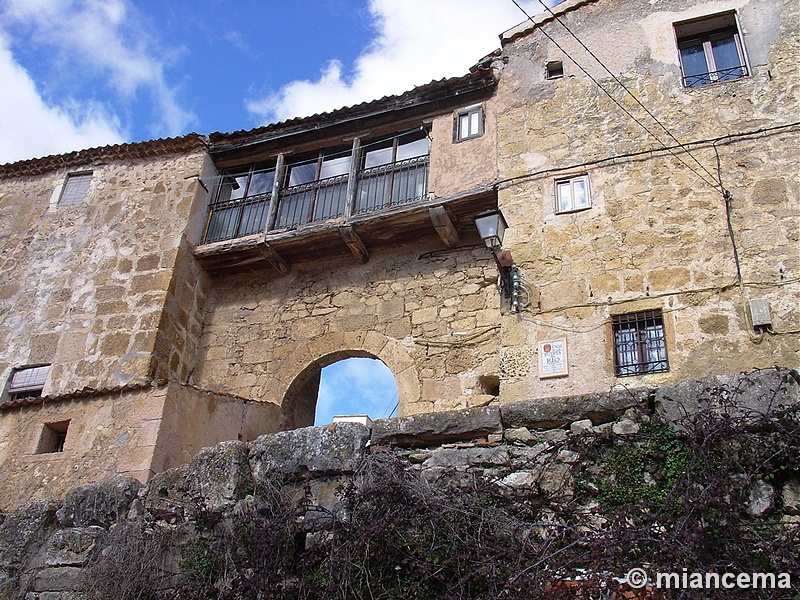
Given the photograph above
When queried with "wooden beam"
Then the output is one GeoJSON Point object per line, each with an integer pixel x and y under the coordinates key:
{"type": "Point", "coordinates": [353, 241]}
{"type": "Point", "coordinates": [274, 258]}
{"type": "Point", "coordinates": [444, 226]}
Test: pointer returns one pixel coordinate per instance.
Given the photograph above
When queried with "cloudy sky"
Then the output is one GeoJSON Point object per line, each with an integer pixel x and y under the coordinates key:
{"type": "Point", "coordinates": [83, 73]}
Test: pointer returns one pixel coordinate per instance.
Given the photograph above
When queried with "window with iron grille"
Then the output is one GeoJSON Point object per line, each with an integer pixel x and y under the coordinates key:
{"type": "Point", "coordinates": [75, 188]}
{"type": "Point", "coordinates": [241, 203]}
{"type": "Point", "coordinates": [640, 345]}
{"type": "Point", "coordinates": [27, 382]}
{"type": "Point", "coordinates": [711, 50]}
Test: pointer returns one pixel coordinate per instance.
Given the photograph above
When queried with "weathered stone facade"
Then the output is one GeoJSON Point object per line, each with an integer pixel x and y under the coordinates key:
{"type": "Point", "coordinates": [125, 288]}
{"type": "Point", "coordinates": [656, 235]}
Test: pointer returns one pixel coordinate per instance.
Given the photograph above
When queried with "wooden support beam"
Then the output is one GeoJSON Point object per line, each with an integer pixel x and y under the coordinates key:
{"type": "Point", "coordinates": [444, 226]}
{"type": "Point", "coordinates": [274, 258]}
{"type": "Point", "coordinates": [353, 241]}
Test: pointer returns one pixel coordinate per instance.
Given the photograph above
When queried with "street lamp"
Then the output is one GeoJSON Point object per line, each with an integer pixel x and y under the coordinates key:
{"type": "Point", "coordinates": [492, 226]}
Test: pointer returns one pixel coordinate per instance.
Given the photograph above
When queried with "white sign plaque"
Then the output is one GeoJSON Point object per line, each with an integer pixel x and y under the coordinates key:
{"type": "Point", "coordinates": [553, 360]}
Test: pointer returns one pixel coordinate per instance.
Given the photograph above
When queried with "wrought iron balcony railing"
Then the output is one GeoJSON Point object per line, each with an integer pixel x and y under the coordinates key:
{"type": "Point", "coordinates": [376, 188]}
{"type": "Point", "coordinates": [715, 76]}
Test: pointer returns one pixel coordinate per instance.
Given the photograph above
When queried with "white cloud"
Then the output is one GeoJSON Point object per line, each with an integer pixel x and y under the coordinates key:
{"type": "Point", "coordinates": [30, 128]}
{"type": "Point", "coordinates": [102, 41]}
{"type": "Point", "coordinates": [418, 41]}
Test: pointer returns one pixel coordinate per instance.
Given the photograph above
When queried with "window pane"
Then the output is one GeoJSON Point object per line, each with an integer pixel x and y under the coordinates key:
{"type": "Point", "coordinates": [412, 149]}
{"type": "Point", "coordinates": [261, 183]}
{"type": "Point", "coordinates": [564, 196]}
{"type": "Point", "coordinates": [331, 167]}
{"type": "Point", "coordinates": [75, 189]}
{"type": "Point", "coordinates": [232, 187]}
{"type": "Point", "coordinates": [29, 379]}
{"type": "Point", "coordinates": [463, 127]}
{"type": "Point", "coordinates": [300, 174]}
{"type": "Point", "coordinates": [474, 123]}
{"type": "Point", "coordinates": [377, 157]}
{"type": "Point", "coordinates": [693, 59]}
{"type": "Point", "coordinates": [726, 56]}
{"type": "Point", "coordinates": [580, 199]}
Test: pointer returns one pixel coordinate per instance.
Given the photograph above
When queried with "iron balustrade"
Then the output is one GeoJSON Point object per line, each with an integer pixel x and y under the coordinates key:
{"type": "Point", "coordinates": [310, 202]}
{"type": "Point", "coordinates": [237, 218]}
{"type": "Point", "coordinates": [392, 184]}
{"type": "Point", "coordinates": [376, 188]}
{"type": "Point", "coordinates": [715, 76]}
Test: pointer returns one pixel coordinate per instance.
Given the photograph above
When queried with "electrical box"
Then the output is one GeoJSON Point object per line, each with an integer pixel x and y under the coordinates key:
{"type": "Point", "coordinates": [759, 312]}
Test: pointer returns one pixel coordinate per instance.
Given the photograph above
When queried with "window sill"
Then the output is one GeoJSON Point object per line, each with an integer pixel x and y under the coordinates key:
{"type": "Point", "coordinates": [46, 457]}
{"type": "Point", "coordinates": [572, 212]}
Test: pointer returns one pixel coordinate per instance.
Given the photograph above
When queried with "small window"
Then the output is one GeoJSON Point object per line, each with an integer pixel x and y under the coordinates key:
{"type": "Point", "coordinates": [53, 437]}
{"type": "Point", "coordinates": [75, 188]}
{"type": "Point", "coordinates": [27, 382]}
{"type": "Point", "coordinates": [469, 123]}
{"type": "Point", "coordinates": [573, 194]}
{"type": "Point", "coordinates": [711, 50]}
{"type": "Point", "coordinates": [639, 343]}
{"type": "Point", "coordinates": [555, 69]}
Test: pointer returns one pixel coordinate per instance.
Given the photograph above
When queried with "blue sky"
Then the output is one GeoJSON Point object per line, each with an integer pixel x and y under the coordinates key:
{"type": "Point", "coordinates": [356, 386]}
{"type": "Point", "coordinates": [85, 73]}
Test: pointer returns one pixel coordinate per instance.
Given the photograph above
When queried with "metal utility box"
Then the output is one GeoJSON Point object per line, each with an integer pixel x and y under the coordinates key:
{"type": "Point", "coordinates": [759, 312]}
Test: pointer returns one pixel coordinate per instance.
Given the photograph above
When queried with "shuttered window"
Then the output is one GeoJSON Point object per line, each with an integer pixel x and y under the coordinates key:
{"type": "Point", "coordinates": [28, 382]}
{"type": "Point", "coordinates": [75, 189]}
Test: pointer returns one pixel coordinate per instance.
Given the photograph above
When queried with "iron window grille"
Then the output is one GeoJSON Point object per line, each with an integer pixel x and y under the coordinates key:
{"type": "Point", "coordinates": [711, 50]}
{"type": "Point", "coordinates": [241, 204]}
{"type": "Point", "coordinates": [639, 343]}
{"type": "Point", "coordinates": [316, 187]}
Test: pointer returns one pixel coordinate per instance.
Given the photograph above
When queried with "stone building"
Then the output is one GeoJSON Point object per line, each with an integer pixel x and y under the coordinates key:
{"type": "Point", "coordinates": [162, 296]}
{"type": "Point", "coordinates": [648, 168]}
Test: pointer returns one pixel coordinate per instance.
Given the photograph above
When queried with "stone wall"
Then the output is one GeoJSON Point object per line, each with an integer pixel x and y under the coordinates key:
{"type": "Point", "coordinates": [657, 234]}
{"type": "Point", "coordinates": [433, 321]}
{"type": "Point", "coordinates": [137, 430]}
{"type": "Point", "coordinates": [520, 447]}
{"type": "Point", "coordinates": [84, 287]}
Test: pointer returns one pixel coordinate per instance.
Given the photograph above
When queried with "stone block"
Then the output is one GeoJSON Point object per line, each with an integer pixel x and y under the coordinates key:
{"type": "Point", "coordinates": [462, 458]}
{"type": "Point", "coordinates": [331, 450]}
{"type": "Point", "coordinates": [56, 579]}
{"type": "Point", "coordinates": [436, 428]}
{"type": "Point", "coordinates": [751, 395]}
{"type": "Point", "coordinates": [100, 504]}
{"type": "Point", "coordinates": [549, 413]}
{"type": "Point", "coordinates": [790, 495]}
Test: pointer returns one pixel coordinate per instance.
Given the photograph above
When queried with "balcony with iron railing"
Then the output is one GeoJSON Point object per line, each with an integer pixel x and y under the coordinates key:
{"type": "Point", "coordinates": [720, 76]}
{"type": "Point", "coordinates": [376, 188]}
{"type": "Point", "coordinates": [375, 194]}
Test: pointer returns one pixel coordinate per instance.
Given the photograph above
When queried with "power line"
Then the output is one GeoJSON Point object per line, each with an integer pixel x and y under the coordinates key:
{"type": "Point", "coordinates": [615, 101]}
{"type": "Point", "coordinates": [631, 94]}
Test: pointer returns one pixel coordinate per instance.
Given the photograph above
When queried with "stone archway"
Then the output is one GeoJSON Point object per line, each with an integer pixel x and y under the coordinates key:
{"type": "Point", "coordinates": [302, 369]}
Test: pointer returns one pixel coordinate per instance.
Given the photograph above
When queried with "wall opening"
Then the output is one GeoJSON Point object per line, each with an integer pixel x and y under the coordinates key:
{"type": "Point", "coordinates": [341, 383]}
{"type": "Point", "coordinates": [52, 438]}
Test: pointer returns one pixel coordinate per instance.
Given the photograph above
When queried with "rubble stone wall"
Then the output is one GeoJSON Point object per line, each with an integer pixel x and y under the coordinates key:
{"type": "Point", "coordinates": [136, 431]}
{"type": "Point", "coordinates": [45, 544]}
{"type": "Point", "coordinates": [85, 285]}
